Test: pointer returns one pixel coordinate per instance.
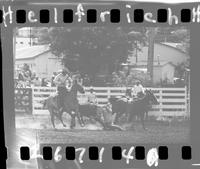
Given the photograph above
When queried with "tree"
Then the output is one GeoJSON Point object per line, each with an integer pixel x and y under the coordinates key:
{"type": "Point", "coordinates": [183, 36]}
{"type": "Point", "coordinates": [176, 35]}
{"type": "Point", "coordinates": [90, 49]}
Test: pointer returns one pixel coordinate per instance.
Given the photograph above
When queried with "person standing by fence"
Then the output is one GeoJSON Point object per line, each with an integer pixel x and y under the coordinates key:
{"type": "Point", "coordinates": [36, 81]}
{"type": "Point", "coordinates": [44, 82]}
{"type": "Point", "coordinates": [138, 90]}
{"type": "Point", "coordinates": [92, 97]}
{"type": "Point", "coordinates": [52, 79]}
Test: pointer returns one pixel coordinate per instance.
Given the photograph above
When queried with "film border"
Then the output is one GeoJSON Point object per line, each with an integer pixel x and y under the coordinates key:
{"type": "Point", "coordinates": [193, 47]}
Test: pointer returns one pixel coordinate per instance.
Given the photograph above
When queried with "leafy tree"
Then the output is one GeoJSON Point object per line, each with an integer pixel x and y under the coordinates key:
{"type": "Point", "coordinates": [89, 49]}
{"type": "Point", "coordinates": [176, 35]}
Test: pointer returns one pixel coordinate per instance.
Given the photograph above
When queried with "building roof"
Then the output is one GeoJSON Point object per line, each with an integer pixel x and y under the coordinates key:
{"type": "Point", "coordinates": [156, 63]}
{"type": "Point", "coordinates": [174, 45]}
{"type": "Point", "coordinates": [24, 29]}
{"type": "Point", "coordinates": [31, 51]}
{"type": "Point", "coordinates": [158, 54]}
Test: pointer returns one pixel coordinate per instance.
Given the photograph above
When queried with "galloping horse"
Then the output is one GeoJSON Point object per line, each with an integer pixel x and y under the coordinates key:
{"type": "Point", "coordinates": [71, 105]}
{"type": "Point", "coordinates": [134, 108]}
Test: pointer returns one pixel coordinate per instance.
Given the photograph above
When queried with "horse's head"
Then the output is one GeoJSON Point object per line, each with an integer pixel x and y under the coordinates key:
{"type": "Point", "coordinates": [78, 87]}
{"type": "Point", "coordinates": [151, 97]}
{"type": "Point", "coordinates": [112, 100]}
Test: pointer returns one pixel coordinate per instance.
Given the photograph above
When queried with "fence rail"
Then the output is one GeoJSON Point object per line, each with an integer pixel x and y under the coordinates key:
{"type": "Point", "coordinates": [172, 101]}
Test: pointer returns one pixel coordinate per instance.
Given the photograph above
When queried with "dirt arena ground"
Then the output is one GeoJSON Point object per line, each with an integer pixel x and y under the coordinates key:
{"type": "Point", "coordinates": [31, 130]}
{"type": "Point", "coordinates": [157, 132]}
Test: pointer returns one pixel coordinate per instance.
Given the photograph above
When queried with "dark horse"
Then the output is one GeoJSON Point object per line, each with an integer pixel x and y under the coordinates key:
{"type": "Point", "coordinates": [139, 107]}
{"type": "Point", "coordinates": [71, 105]}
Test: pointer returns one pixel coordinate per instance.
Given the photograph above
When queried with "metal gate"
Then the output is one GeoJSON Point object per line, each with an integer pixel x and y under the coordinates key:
{"type": "Point", "coordinates": [23, 100]}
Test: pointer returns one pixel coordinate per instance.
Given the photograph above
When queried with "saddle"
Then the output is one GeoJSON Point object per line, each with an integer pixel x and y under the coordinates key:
{"type": "Point", "coordinates": [140, 97]}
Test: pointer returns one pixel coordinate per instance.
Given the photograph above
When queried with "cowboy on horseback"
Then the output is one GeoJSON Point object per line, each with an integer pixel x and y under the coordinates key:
{"type": "Point", "coordinates": [138, 91]}
{"type": "Point", "coordinates": [61, 81]}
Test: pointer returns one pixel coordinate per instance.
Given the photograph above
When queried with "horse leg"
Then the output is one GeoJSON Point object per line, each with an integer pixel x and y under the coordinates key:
{"type": "Point", "coordinates": [116, 120]}
{"type": "Point", "coordinates": [77, 113]}
{"type": "Point", "coordinates": [130, 120]}
{"type": "Point", "coordinates": [80, 119]}
{"type": "Point", "coordinates": [61, 119]}
{"type": "Point", "coordinates": [146, 116]}
{"type": "Point", "coordinates": [73, 123]}
{"type": "Point", "coordinates": [52, 117]}
{"type": "Point", "coordinates": [142, 116]}
{"type": "Point", "coordinates": [98, 119]}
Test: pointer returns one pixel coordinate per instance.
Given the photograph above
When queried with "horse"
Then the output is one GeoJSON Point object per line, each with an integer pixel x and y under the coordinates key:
{"type": "Point", "coordinates": [101, 114]}
{"type": "Point", "coordinates": [138, 107]}
{"type": "Point", "coordinates": [71, 105]}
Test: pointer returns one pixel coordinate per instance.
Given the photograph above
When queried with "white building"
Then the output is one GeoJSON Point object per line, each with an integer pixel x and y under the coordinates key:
{"type": "Point", "coordinates": [23, 41]}
{"type": "Point", "coordinates": [164, 71]}
{"type": "Point", "coordinates": [161, 71]}
{"type": "Point", "coordinates": [40, 59]}
{"type": "Point", "coordinates": [162, 53]}
{"type": "Point", "coordinates": [166, 57]}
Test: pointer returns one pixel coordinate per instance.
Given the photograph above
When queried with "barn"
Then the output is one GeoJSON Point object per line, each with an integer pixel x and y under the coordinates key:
{"type": "Point", "coordinates": [163, 52]}
{"type": "Point", "coordinates": [162, 71]}
{"type": "Point", "coordinates": [39, 58]}
{"type": "Point", "coordinates": [166, 57]}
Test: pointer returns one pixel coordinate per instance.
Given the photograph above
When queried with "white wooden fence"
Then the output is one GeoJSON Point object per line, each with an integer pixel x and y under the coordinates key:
{"type": "Point", "coordinates": [172, 101]}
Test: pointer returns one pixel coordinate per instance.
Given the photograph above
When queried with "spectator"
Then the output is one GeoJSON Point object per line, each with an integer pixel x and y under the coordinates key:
{"type": "Point", "coordinates": [86, 80]}
{"type": "Point", "coordinates": [92, 97]}
{"type": "Point", "coordinates": [52, 80]}
{"type": "Point", "coordinates": [138, 90]}
{"type": "Point", "coordinates": [27, 72]}
{"type": "Point", "coordinates": [20, 76]}
{"type": "Point", "coordinates": [33, 75]}
{"type": "Point", "coordinates": [36, 81]}
{"type": "Point", "coordinates": [80, 80]}
{"type": "Point", "coordinates": [48, 83]}
{"type": "Point", "coordinates": [44, 82]}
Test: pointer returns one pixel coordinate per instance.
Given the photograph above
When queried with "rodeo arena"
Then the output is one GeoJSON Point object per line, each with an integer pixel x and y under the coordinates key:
{"type": "Point", "coordinates": [54, 104]}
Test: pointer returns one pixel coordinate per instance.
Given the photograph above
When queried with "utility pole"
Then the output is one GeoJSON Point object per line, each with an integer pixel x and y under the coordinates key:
{"type": "Point", "coordinates": [14, 46]}
{"type": "Point", "coordinates": [30, 38]}
{"type": "Point", "coordinates": [136, 53]}
{"type": "Point", "coordinates": [151, 36]}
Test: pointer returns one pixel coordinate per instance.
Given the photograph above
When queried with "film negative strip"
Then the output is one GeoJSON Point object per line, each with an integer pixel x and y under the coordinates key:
{"type": "Point", "coordinates": [100, 84]}
{"type": "Point", "coordinates": [90, 13]}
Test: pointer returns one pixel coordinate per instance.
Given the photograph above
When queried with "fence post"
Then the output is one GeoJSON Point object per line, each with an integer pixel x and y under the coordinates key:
{"type": "Point", "coordinates": [108, 93]}
{"type": "Point", "coordinates": [187, 102]}
{"type": "Point", "coordinates": [33, 100]}
{"type": "Point", "coordinates": [160, 103]}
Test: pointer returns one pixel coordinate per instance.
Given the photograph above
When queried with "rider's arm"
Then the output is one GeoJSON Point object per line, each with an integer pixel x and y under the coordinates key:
{"type": "Point", "coordinates": [133, 91]}
{"type": "Point", "coordinates": [95, 99]}
{"type": "Point", "coordinates": [143, 90]}
{"type": "Point", "coordinates": [70, 80]}
{"type": "Point", "coordinates": [57, 80]}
